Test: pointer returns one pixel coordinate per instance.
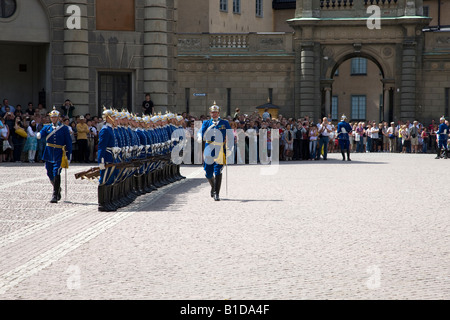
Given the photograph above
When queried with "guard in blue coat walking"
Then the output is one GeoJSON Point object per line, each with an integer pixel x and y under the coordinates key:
{"type": "Point", "coordinates": [343, 131]}
{"type": "Point", "coordinates": [214, 132]}
{"type": "Point", "coordinates": [58, 151]}
{"type": "Point", "coordinates": [442, 138]}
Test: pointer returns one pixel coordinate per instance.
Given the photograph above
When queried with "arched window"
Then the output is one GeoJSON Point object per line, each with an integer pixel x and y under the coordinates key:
{"type": "Point", "coordinates": [7, 8]}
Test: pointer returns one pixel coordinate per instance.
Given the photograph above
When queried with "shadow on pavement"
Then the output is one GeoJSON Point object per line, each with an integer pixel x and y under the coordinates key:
{"type": "Point", "coordinates": [249, 200]}
{"type": "Point", "coordinates": [172, 198]}
{"type": "Point", "coordinates": [79, 203]}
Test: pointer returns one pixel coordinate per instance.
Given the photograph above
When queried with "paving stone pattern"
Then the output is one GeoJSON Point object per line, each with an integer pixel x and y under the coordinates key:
{"type": "Point", "coordinates": [373, 228]}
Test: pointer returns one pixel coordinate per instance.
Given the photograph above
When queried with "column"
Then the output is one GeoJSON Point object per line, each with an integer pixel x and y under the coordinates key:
{"type": "Point", "coordinates": [307, 81]}
{"type": "Point", "coordinates": [386, 105]}
{"type": "Point", "coordinates": [76, 61]}
{"type": "Point", "coordinates": [156, 53]}
{"type": "Point", "coordinates": [408, 82]}
{"type": "Point", "coordinates": [326, 87]}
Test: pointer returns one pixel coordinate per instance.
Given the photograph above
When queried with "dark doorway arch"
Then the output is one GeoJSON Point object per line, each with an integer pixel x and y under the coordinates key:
{"type": "Point", "coordinates": [357, 89]}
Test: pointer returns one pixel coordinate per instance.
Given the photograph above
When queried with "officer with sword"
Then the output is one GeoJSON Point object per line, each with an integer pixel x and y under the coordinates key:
{"type": "Point", "coordinates": [57, 153]}
{"type": "Point", "coordinates": [213, 131]}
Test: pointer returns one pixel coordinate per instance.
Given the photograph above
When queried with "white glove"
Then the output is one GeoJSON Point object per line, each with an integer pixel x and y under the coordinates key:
{"type": "Point", "coordinates": [102, 165]}
{"type": "Point", "coordinates": [199, 139]}
{"type": "Point", "coordinates": [38, 135]}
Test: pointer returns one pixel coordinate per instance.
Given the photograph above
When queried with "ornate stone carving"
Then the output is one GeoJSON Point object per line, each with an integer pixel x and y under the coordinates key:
{"type": "Point", "coordinates": [189, 44]}
{"type": "Point", "coordinates": [271, 43]}
{"type": "Point", "coordinates": [387, 52]}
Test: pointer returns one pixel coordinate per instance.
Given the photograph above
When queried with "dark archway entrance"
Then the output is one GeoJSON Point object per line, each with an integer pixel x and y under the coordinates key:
{"type": "Point", "coordinates": [356, 88]}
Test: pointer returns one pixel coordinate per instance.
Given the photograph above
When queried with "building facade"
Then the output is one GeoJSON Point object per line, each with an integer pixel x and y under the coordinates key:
{"type": "Point", "coordinates": [95, 53]}
{"type": "Point", "coordinates": [309, 57]}
{"type": "Point", "coordinates": [313, 69]}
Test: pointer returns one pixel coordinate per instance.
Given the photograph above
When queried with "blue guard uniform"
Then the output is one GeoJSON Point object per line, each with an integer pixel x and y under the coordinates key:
{"type": "Point", "coordinates": [213, 131]}
{"type": "Point", "coordinates": [442, 138]}
{"type": "Point", "coordinates": [58, 141]}
{"type": "Point", "coordinates": [343, 131]}
{"type": "Point", "coordinates": [107, 154]}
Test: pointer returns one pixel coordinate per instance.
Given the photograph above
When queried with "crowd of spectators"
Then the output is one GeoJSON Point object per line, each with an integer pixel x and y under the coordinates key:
{"type": "Point", "coordinates": [299, 138]}
{"type": "Point", "coordinates": [18, 129]}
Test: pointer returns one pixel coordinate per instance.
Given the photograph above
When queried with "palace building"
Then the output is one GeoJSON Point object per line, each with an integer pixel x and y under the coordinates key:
{"type": "Point", "coordinates": [369, 59]}
{"type": "Point", "coordinates": [93, 52]}
{"type": "Point", "coordinates": [321, 58]}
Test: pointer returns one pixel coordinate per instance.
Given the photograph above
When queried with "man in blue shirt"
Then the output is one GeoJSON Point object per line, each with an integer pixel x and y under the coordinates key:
{"type": "Point", "coordinates": [214, 132]}
{"type": "Point", "coordinates": [442, 138]}
{"type": "Point", "coordinates": [58, 146]}
{"type": "Point", "coordinates": [343, 131]}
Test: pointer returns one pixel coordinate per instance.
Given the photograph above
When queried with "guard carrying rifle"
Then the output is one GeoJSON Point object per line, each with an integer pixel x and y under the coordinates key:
{"type": "Point", "coordinates": [107, 155]}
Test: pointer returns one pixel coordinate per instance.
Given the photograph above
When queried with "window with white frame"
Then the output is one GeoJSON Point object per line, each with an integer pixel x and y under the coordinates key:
{"type": "Point", "coordinates": [259, 8]}
{"type": "Point", "coordinates": [358, 107]}
{"type": "Point", "coordinates": [236, 6]}
{"type": "Point", "coordinates": [223, 5]}
{"type": "Point", "coordinates": [359, 66]}
{"type": "Point", "coordinates": [334, 107]}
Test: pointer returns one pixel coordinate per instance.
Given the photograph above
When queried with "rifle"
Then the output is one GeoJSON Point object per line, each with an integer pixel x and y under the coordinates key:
{"type": "Point", "coordinates": [95, 171]}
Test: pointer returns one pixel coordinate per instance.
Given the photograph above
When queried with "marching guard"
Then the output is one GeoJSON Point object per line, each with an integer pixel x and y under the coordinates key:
{"type": "Point", "coordinates": [214, 132]}
{"type": "Point", "coordinates": [442, 138]}
{"type": "Point", "coordinates": [343, 131]}
{"type": "Point", "coordinates": [58, 151]}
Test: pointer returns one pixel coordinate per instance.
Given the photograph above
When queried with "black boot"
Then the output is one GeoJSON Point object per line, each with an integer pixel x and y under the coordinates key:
{"type": "Point", "coordinates": [348, 155]}
{"type": "Point", "coordinates": [175, 172]}
{"type": "Point", "coordinates": [129, 195]}
{"type": "Point", "coordinates": [217, 184]}
{"type": "Point", "coordinates": [56, 185]}
{"type": "Point", "coordinates": [119, 191]}
{"type": "Point", "coordinates": [164, 180]}
{"type": "Point", "coordinates": [58, 196]}
{"type": "Point", "coordinates": [150, 181]}
{"type": "Point", "coordinates": [211, 182]}
{"type": "Point", "coordinates": [156, 179]}
{"type": "Point", "coordinates": [179, 173]}
{"type": "Point", "coordinates": [343, 155]}
{"type": "Point", "coordinates": [113, 197]}
{"type": "Point", "coordinates": [438, 153]}
{"type": "Point", "coordinates": [146, 186]}
{"type": "Point", "coordinates": [142, 184]}
{"type": "Point", "coordinates": [103, 199]}
{"type": "Point", "coordinates": [134, 186]}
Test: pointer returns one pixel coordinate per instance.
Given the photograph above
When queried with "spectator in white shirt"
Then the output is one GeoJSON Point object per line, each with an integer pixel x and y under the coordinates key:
{"type": "Point", "coordinates": [324, 132]}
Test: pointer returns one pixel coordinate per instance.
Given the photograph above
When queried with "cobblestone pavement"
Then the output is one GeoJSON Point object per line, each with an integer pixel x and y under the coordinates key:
{"type": "Point", "coordinates": [373, 228]}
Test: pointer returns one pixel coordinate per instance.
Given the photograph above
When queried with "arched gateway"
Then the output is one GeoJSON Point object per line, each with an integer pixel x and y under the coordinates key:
{"type": "Point", "coordinates": [330, 32]}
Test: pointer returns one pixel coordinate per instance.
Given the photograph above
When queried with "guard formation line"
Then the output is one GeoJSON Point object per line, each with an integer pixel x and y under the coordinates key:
{"type": "Point", "coordinates": [134, 157]}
